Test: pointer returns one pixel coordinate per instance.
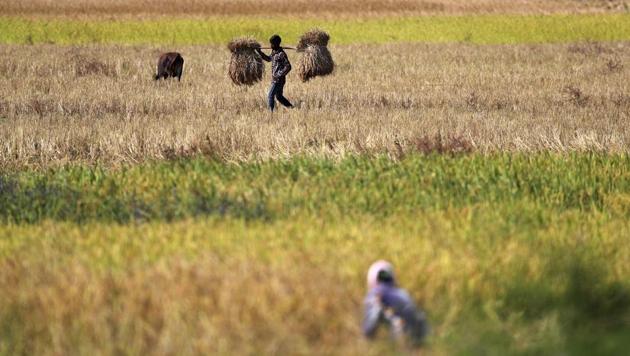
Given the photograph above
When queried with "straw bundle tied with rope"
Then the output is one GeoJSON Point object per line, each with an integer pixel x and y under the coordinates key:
{"type": "Point", "coordinates": [246, 65]}
{"type": "Point", "coordinates": [316, 59]}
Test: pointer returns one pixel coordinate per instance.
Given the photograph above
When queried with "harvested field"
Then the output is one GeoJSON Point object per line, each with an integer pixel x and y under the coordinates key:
{"type": "Point", "coordinates": [301, 7]}
{"type": "Point", "coordinates": [99, 104]}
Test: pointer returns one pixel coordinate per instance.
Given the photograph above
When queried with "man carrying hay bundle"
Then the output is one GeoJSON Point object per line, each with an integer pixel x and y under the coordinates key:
{"type": "Point", "coordinates": [280, 67]}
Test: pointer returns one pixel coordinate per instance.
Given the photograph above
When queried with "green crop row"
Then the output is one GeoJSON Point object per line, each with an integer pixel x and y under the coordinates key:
{"type": "Point", "coordinates": [487, 29]}
{"type": "Point", "coordinates": [280, 189]}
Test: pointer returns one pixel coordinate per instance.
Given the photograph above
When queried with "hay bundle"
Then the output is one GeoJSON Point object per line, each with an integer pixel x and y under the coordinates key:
{"type": "Point", "coordinates": [246, 65]}
{"type": "Point", "coordinates": [316, 59]}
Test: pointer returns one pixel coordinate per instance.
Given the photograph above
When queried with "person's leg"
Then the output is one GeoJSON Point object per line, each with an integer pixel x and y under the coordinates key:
{"type": "Point", "coordinates": [280, 96]}
{"type": "Point", "coordinates": [271, 98]}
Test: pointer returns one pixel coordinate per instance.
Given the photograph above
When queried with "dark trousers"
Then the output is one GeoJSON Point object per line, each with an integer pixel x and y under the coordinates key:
{"type": "Point", "coordinates": [276, 92]}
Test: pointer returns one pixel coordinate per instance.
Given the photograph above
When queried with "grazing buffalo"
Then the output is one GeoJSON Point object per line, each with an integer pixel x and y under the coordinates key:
{"type": "Point", "coordinates": [170, 65]}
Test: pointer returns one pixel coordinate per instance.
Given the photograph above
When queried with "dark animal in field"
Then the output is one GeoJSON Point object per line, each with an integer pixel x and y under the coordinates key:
{"type": "Point", "coordinates": [170, 64]}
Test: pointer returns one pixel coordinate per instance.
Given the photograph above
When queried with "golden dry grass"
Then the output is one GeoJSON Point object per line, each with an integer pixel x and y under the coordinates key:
{"type": "Point", "coordinates": [300, 7]}
{"type": "Point", "coordinates": [295, 286]}
{"type": "Point", "coordinates": [100, 104]}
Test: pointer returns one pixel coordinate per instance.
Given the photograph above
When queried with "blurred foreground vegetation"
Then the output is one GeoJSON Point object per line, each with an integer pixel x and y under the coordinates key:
{"type": "Point", "coordinates": [379, 187]}
{"type": "Point", "coordinates": [509, 254]}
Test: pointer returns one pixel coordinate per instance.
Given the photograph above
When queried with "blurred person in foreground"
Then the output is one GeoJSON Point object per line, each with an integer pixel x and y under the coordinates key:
{"type": "Point", "coordinates": [280, 67]}
{"type": "Point", "coordinates": [387, 305]}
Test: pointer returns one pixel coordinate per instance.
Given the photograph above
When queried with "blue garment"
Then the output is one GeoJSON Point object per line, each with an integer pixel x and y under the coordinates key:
{"type": "Point", "coordinates": [389, 305]}
{"type": "Point", "coordinates": [276, 92]}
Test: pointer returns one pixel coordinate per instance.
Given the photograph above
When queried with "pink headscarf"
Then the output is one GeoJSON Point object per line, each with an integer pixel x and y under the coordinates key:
{"type": "Point", "coordinates": [372, 275]}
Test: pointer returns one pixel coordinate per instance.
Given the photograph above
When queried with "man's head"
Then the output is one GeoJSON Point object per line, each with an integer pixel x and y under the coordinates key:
{"type": "Point", "coordinates": [275, 41]}
{"type": "Point", "coordinates": [380, 272]}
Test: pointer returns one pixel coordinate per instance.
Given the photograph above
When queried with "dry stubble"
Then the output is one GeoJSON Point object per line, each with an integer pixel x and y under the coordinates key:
{"type": "Point", "coordinates": [300, 7]}
{"type": "Point", "coordinates": [99, 104]}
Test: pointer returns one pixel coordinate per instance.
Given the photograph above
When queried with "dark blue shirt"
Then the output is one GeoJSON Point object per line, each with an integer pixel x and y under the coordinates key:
{"type": "Point", "coordinates": [280, 65]}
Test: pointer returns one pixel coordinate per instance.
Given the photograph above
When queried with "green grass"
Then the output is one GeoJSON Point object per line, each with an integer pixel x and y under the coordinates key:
{"type": "Point", "coordinates": [509, 254]}
{"type": "Point", "coordinates": [487, 29]}
{"type": "Point", "coordinates": [355, 186]}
